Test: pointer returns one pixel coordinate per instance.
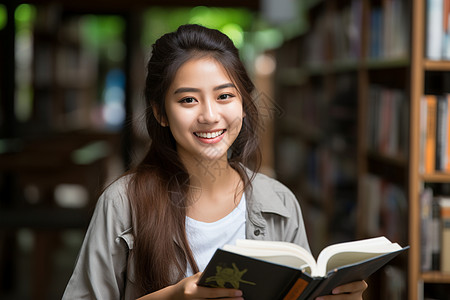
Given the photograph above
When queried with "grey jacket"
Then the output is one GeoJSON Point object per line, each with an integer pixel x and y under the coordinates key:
{"type": "Point", "coordinates": [104, 269]}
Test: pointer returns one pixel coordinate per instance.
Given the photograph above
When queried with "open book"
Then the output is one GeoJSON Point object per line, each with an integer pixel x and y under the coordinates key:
{"type": "Point", "coordinates": [281, 270]}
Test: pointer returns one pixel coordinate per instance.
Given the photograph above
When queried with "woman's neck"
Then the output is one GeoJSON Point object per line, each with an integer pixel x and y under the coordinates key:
{"type": "Point", "coordinates": [216, 189]}
{"type": "Point", "coordinates": [211, 175]}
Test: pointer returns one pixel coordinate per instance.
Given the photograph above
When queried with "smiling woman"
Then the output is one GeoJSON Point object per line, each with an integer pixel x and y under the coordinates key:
{"type": "Point", "coordinates": [204, 111]}
{"type": "Point", "coordinates": [155, 229]}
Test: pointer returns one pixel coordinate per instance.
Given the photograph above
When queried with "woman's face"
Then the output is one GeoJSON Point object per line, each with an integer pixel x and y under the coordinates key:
{"type": "Point", "coordinates": [204, 110]}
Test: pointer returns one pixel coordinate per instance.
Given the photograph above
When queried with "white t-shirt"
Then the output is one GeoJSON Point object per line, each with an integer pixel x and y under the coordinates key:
{"type": "Point", "coordinates": [204, 238]}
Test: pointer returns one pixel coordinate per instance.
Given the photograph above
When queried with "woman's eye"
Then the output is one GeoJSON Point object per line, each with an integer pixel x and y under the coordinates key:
{"type": "Point", "coordinates": [225, 96]}
{"type": "Point", "coordinates": [187, 100]}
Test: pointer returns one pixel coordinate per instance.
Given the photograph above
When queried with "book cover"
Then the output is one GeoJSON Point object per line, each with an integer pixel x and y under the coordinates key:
{"type": "Point", "coordinates": [350, 273]}
{"type": "Point", "coordinates": [257, 279]}
{"type": "Point", "coordinates": [263, 280]}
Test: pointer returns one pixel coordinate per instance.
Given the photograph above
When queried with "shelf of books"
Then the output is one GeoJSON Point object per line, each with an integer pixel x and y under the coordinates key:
{"type": "Point", "coordinates": [373, 59]}
{"type": "Point", "coordinates": [429, 181]}
{"type": "Point", "coordinates": [316, 138]}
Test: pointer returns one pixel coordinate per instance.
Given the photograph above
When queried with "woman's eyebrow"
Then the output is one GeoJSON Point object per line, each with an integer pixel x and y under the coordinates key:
{"type": "Point", "coordinates": [186, 90]}
{"type": "Point", "coordinates": [196, 90]}
{"type": "Point", "coordinates": [224, 86]}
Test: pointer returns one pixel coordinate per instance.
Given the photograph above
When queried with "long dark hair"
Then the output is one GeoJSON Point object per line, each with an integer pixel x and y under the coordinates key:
{"type": "Point", "coordinates": [160, 182]}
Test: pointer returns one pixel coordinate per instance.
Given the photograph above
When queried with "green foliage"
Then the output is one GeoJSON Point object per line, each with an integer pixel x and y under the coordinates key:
{"type": "Point", "coordinates": [231, 21]}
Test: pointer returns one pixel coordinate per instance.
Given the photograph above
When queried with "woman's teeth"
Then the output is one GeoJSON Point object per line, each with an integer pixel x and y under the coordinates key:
{"type": "Point", "coordinates": [209, 135]}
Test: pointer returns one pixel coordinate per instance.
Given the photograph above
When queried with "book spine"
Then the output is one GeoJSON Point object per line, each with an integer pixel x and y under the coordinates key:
{"type": "Point", "coordinates": [430, 143]}
{"type": "Point", "coordinates": [423, 134]}
{"type": "Point", "coordinates": [298, 288]}
{"type": "Point", "coordinates": [426, 199]}
{"type": "Point", "coordinates": [310, 289]}
{"type": "Point", "coordinates": [446, 31]}
{"type": "Point", "coordinates": [434, 29]}
{"type": "Point", "coordinates": [447, 157]}
{"type": "Point", "coordinates": [376, 17]}
{"type": "Point", "coordinates": [387, 129]}
{"type": "Point", "coordinates": [441, 133]}
{"type": "Point", "coordinates": [445, 235]}
{"type": "Point", "coordinates": [435, 235]}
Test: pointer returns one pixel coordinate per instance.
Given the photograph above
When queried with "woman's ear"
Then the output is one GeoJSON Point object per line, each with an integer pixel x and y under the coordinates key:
{"type": "Point", "coordinates": [161, 119]}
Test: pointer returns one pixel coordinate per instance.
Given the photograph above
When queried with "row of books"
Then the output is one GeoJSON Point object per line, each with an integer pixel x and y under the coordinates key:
{"type": "Point", "coordinates": [434, 134]}
{"type": "Point", "coordinates": [384, 210]}
{"type": "Point", "coordinates": [388, 33]}
{"type": "Point", "coordinates": [387, 121]}
{"type": "Point", "coordinates": [435, 227]}
{"type": "Point", "coordinates": [389, 30]}
{"type": "Point", "coordinates": [438, 30]}
{"type": "Point", "coordinates": [346, 26]}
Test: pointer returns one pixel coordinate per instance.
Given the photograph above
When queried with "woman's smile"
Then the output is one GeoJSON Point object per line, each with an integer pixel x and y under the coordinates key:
{"type": "Point", "coordinates": [210, 137]}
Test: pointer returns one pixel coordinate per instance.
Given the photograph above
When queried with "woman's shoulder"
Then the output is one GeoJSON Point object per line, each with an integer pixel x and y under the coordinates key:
{"type": "Point", "coordinates": [271, 194]}
{"type": "Point", "coordinates": [115, 194]}
{"type": "Point", "coordinates": [269, 184]}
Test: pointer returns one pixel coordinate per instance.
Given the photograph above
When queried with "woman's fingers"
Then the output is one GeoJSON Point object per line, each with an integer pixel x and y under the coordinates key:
{"type": "Point", "coordinates": [349, 291]}
{"type": "Point", "coordinates": [212, 293]}
{"type": "Point", "coordinates": [349, 288]}
{"type": "Point", "coordinates": [193, 291]}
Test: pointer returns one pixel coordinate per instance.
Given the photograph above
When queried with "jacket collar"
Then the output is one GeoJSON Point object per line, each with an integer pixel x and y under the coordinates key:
{"type": "Point", "coordinates": [264, 197]}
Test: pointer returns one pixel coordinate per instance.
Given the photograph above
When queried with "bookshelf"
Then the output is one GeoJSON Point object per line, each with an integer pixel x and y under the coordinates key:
{"type": "Point", "coordinates": [316, 137]}
{"type": "Point", "coordinates": [420, 281]}
{"type": "Point", "coordinates": [381, 59]}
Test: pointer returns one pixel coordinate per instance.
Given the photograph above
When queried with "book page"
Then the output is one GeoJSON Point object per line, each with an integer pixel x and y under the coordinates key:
{"type": "Point", "coordinates": [278, 252]}
{"type": "Point", "coordinates": [342, 254]}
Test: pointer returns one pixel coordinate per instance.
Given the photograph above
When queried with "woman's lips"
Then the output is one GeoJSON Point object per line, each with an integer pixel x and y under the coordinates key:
{"type": "Point", "coordinates": [210, 137]}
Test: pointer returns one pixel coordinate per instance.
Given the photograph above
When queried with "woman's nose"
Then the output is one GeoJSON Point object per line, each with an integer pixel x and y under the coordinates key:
{"type": "Point", "coordinates": [209, 112]}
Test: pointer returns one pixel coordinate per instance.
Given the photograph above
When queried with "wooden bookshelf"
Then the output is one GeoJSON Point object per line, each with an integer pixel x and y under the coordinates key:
{"type": "Point", "coordinates": [317, 119]}
{"type": "Point", "coordinates": [436, 178]}
{"type": "Point", "coordinates": [432, 65]}
{"type": "Point", "coordinates": [435, 277]}
{"type": "Point", "coordinates": [318, 71]}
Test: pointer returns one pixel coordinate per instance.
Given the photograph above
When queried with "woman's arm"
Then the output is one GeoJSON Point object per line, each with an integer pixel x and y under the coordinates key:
{"type": "Point", "coordinates": [188, 289]}
{"type": "Point", "coordinates": [100, 270]}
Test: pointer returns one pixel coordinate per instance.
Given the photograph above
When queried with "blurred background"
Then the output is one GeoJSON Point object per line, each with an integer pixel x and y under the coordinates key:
{"type": "Point", "coordinates": [338, 85]}
{"type": "Point", "coordinates": [71, 114]}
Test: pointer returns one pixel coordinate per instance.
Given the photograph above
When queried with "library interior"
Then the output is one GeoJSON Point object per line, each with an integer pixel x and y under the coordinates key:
{"type": "Point", "coordinates": [354, 97]}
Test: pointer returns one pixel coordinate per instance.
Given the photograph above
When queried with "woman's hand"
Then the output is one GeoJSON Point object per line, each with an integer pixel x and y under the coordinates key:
{"type": "Point", "coordinates": [349, 291]}
{"type": "Point", "coordinates": [188, 289]}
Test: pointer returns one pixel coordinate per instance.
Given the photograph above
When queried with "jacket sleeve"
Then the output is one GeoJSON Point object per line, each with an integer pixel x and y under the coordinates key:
{"type": "Point", "coordinates": [100, 269]}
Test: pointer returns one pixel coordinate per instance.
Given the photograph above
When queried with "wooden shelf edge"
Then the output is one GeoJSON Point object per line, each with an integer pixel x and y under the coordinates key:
{"type": "Point", "coordinates": [436, 177]}
{"type": "Point", "coordinates": [437, 65]}
{"type": "Point", "coordinates": [435, 277]}
{"type": "Point", "coordinates": [387, 63]}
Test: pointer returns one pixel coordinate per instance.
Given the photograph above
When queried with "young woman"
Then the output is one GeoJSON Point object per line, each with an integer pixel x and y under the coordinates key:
{"type": "Point", "coordinates": [155, 229]}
